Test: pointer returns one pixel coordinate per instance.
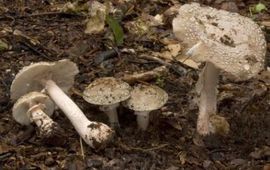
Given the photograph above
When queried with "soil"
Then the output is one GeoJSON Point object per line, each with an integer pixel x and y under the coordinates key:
{"type": "Point", "coordinates": [171, 141]}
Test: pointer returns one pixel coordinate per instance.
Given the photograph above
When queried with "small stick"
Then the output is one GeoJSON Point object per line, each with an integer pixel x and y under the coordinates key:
{"type": "Point", "coordinates": [82, 149]}
{"type": "Point", "coordinates": [176, 68]}
{"type": "Point", "coordinates": [49, 13]}
{"type": "Point", "coordinates": [146, 76]}
{"type": "Point", "coordinates": [33, 45]}
{"type": "Point", "coordinates": [126, 147]}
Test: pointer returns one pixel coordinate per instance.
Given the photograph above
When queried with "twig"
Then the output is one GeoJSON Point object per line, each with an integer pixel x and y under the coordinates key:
{"type": "Point", "coordinates": [33, 45]}
{"type": "Point", "coordinates": [176, 68]}
{"type": "Point", "coordinates": [124, 146]}
{"type": "Point", "coordinates": [82, 149]}
{"type": "Point", "coordinates": [149, 75]}
{"type": "Point", "coordinates": [77, 92]}
{"type": "Point", "coordinates": [49, 13]}
{"type": "Point", "coordinates": [251, 101]}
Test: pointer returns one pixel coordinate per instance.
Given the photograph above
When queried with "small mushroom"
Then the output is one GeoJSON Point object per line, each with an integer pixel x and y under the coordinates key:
{"type": "Point", "coordinates": [227, 43]}
{"type": "Point", "coordinates": [107, 92]}
{"type": "Point", "coordinates": [144, 99]}
{"type": "Point", "coordinates": [36, 107]}
{"type": "Point", "coordinates": [55, 78]}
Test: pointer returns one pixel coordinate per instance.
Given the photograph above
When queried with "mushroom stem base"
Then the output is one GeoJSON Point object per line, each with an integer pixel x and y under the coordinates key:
{"type": "Point", "coordinates": [95, 134]}
{"type": "Point", "coordinates": [44, 123]}
{"type": "Point", "coordinates": [206, 87]}
{"type": "Point", "coordinates": [142, 119]}
{"type": "Point", "coordinates": [111, 112]}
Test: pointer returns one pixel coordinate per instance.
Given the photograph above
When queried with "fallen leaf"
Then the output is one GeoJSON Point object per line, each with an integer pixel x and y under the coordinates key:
{"type": "Point", "coordinates": [182, 157]}
{"type": "Point", "coordinates": [174, 49]}
{"type": "Point", "coordinates": [75, 7]}
{"type": "Point", "coordinates": [237, 162]}
{"type": "Point", "coordinates": [94, 25]}
{"type": "Point", "coordinates": [260, 152]}
{"type": "Point", "coordinates": [3, 45]}
{"type": "Point", "coordinates": [96, 21]}
{"type": "Point", "coordinates": [189, 62]}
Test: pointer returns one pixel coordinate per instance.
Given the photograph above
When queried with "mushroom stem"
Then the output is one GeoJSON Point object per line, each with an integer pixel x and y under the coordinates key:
{"type": "Point", "coordinates": [94, 134]}
{"type": "Point", "coordinates": [207, 89]}
{"type": "Point", "coordinates": [142, 119]}
{"type": "Point", "coordinates": [111, 112]}
{"type": "Point", "coordinates": [44, 123]}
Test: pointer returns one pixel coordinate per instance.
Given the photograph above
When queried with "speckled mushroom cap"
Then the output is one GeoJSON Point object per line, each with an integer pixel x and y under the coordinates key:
{"type": "Point", "coordinates": [21, 107]}
{"type": "Point", "coordinates": [106, 91]}
{"type": "Point", "coordinates": [146, 98]}
{"type": "Point", "coordinates": [30, 77]}
{"type": "Point", "coordinates": [234, 43]}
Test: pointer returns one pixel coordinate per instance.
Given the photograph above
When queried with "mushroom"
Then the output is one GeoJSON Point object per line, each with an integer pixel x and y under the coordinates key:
{"type": "Point", "coordinates": [227, 43]}
{"type": "Point", "coordinates": [36, 107]}
{"type": "Point", "coordinates": [55, 78]}
{"type": "Point", "coordinates": [107, 92]}
{"type": "Point", "coordinates": [144, 99]}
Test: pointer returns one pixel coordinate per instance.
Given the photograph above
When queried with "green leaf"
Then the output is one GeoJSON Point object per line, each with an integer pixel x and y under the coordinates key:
{"type": "Point", "coordinates": [260, 7]}
{"type": "Point", "coordinates": [116, 29]}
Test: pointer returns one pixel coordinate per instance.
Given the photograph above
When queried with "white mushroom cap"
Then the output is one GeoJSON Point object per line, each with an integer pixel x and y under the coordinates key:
{"type": "Point", "coordinates": [22, 106]}
{"type": "Point", "coordinates": [233, 43]}
{"type": "Point", "coordinates": [146, 98]}
{"type": "Point", "coordinates": [30, 78]}
{"type": "Point", "coordinates": [107, 91]}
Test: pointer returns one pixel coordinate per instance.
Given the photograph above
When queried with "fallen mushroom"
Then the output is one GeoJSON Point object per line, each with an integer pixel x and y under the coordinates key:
{"type": "Point", "coordinates": [107, 92]}
{"type": "Point", "coordinates": [55, 78]}
{"type": "Point", "coordinates": [36, 107]}
{"type": "Point", "coordinates": [144, 99]}
{"type": "Point", "coordinates": [227, 43]}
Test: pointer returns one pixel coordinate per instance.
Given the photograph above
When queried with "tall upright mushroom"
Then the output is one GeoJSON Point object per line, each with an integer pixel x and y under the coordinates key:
{"type": "Point", "coordinates": [107, 92]}
{"type": "Point", "coordinates": [227, 43]}
{"type": "Point", "coordinates": [55, 78]}
{"type": "Point", "coordinates": [143, 100]}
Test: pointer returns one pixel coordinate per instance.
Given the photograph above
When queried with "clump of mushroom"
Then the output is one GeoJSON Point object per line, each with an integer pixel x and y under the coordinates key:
{"type": "Point", "coordinates": [227, 43]}
{"type": "Point", "coordinates": [107, 92]}
{"type": "Point", "coordinates": [144, 99]}
{"type": "Point", "coordinates": [55, 78]}
{"type": "Point", "coordinates": [37, 107]}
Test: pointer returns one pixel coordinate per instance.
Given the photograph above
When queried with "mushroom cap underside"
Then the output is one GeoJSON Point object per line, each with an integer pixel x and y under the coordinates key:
{"type": "Point", "coordinates": [232, 42]}
{"type": "Point", "coordinates": [30, 78]}
{"type": "Point", "coordinates": [146, 98]}
{"type": "Point", "coordinates": [107, 91]}
{"type": "Point", "coordinates": [21, 107]}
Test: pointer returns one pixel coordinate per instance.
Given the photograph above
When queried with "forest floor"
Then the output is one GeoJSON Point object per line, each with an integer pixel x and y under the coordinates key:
{"type": "Point", "coordinates": [45, 33]}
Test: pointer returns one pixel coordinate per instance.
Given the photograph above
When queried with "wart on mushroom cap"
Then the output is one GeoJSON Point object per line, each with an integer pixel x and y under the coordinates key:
{"type": "Point", "coordinates": [144, 99]}
{"type": "Point", "coordinates": [107, 92]}
{"type": "Point", "coordinates": [227, 42]}
{"type": "Point", "coordinates": [53, 77]}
